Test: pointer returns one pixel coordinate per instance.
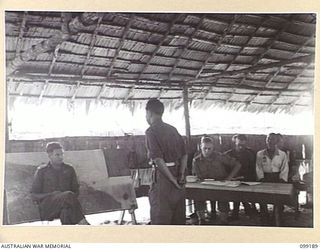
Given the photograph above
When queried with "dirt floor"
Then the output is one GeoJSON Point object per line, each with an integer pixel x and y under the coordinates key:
{"type": "Point", "coordinates": [304, 219]}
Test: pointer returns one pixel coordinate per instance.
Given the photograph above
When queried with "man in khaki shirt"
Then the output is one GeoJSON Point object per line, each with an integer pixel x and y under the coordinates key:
{"type": "Point", "coordinates": [210, 164]}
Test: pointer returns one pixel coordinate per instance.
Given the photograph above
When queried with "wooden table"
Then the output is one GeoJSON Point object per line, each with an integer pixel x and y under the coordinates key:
{"type": "Point", "coordinates": [271, 193]}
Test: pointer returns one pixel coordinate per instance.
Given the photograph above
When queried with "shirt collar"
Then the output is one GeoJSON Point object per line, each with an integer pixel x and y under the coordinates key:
{"type": "Point", "coordinates": [276, 152]}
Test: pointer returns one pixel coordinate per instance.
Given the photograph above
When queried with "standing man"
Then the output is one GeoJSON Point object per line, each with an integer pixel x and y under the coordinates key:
{"type": "Point", "coordinates": [271, 166]}
{"type": "Point", "coordinates": [166, 149]}
{"type": "Point", "coordinates": [56, 189]}
{"type": "Point", "coordinates": [213, 165]}
{"type": "Point", "coordinates": [247, 159]}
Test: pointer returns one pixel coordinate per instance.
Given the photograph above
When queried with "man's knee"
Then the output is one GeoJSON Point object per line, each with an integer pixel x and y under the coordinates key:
{"type": "Point", "coordinates": [69, 194]}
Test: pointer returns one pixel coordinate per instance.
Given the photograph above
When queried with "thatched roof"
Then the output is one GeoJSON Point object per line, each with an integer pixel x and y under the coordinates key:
{"type": "Point", "coordinates": [255, 62]}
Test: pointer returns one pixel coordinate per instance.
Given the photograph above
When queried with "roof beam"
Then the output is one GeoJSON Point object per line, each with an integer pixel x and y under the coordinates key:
{"type": "Point", "coordinates": [21, 32]}
{"type": "Point", "coordinates": [75, 91]}
{"type": "Point", "coordinates": [185, 47]}
{"type": "Point", "coordinates": [246, 71]}
{"type": "Point", "coordinates": [287, 86]}
{"type": "Point", "coordinates": [277, 72]}
{"type": "Point", "coordinates": [64, 29]}
{"type": "Point", "coordinates": [243, 47]}
{"type": "Point", "coordinates": [158, 46]}
{"type": "Point", "coordinates": [270, 43]}
{"type": "Point", "coordinates": [71, 80]}
{"type": "Point", "coordinates": [209, 55]}
{"type": "Point", "coordinates": [161, 90]}
{"type": "Point", "coordinates": [130, 93]}
{"type": "Point", "coordinates": [212, 52]}
{"type": "Point", "coordinates": [44, 46]}
{"type": "Point", "coordinates": [124, 35]}
{"type": "Point", "coordinates": [92, 43]}
{"type": "Point", "coordinates": [143, 99]}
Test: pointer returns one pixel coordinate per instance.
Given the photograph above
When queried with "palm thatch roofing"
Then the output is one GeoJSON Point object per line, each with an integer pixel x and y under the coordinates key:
{"type": "Point", "coordinates": [252, 62]}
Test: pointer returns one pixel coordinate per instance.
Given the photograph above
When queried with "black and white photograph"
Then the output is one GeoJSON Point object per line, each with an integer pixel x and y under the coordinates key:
{"type": "Point", "coordinates": [201, 119]}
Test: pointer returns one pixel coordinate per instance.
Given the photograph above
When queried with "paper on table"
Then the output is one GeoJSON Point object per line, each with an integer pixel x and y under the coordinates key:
{"type": "Point", "coordinates": [221, 183]}
{"type": "Point", "coordinates": [250, 183]}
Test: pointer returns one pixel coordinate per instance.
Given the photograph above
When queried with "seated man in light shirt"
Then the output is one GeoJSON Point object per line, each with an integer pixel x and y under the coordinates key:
{"type": "Point", "coordinates": [271, 166]}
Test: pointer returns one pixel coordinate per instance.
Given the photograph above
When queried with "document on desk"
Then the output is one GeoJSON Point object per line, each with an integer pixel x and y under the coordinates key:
{"type": "Point", "coordinates": [250, 183]}
{"type": "Point", "coordinates": [222, 183]}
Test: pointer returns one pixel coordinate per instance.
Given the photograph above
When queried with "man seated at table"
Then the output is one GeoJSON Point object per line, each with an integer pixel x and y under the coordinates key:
{"type": "Point", "coordinates": [209, 164]}
{"type": "Point", "coordinates": [271, 166]}
{"type": "Point", "coordinates": [55, 188]}
{"type": "Point", "coordinates": [247, 158]}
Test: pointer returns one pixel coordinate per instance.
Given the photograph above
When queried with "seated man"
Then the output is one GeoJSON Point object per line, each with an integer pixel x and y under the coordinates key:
{"type": "Point", "coordinates": [271, 166]}
{"type": "Point", "coordinates": [55, 188]}
{"type": "Point", "coordinates": [247, 159]}
{"type": "Point", "coordinates": [213, 165]}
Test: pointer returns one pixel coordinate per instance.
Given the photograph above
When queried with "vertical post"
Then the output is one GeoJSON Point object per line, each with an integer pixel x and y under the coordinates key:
{"type": "Point", "coordinates": [186, 114]}
{"type": "Point", "coordinates": [188, 133]}
{"type": "Point", "coordinates": [6, 110]}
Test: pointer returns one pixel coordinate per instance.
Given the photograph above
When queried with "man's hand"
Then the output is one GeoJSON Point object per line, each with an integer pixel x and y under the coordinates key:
{"type": "Point", "coordinates": [176, 184]}
{"type": "Point", "coordinates": [182, 180]}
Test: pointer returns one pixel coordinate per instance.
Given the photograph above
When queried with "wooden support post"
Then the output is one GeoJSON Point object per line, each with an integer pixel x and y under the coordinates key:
{"type": "Point", "coordinates": [7, 128]}
{"type": "Point", "coordinates": [188, 133]}
{"type": "Point", "coordinates": [186, 114]}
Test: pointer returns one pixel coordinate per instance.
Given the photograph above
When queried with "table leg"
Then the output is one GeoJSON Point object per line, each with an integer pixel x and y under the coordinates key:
{"type": "Point", "coordinates": [277, 212]}
{"type": "Point", "coordinates": [133, 217]}
{"type": "Point", "coordinates": [121, 217]}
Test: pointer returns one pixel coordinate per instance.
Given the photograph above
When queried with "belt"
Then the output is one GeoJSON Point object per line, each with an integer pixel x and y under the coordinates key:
{"type": "Point", "coordinates": [170, 164]}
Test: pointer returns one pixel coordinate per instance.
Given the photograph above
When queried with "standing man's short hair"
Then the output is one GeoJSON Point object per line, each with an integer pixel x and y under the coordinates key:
{"type": "Point", "coordinates": [51, 146]}
{"type": "Point", "coordinates": [155, 106]}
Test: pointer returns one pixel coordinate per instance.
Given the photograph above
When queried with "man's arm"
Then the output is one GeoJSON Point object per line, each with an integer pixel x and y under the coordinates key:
{"type": "Point", "coordinates": [162, 167]}
{"type": "Point", "coordinates": [41, 196]}
{"type": "Point", "coordinates": [236, 167]}
{"type": "Point", "coordinates": [284, 169]}
{"type": "Point", "coordinates": [182, 169]}
{"type": "Point", "coordinates": [259, 168]}
{"type": "Point", "coordinates": [75, 183]}
{"type": "Point", "coordinates": [36, 190]}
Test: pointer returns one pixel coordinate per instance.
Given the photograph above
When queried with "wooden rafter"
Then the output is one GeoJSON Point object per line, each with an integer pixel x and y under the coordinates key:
{"type": "Point", "coordinates": [158, 46]}
{"type": "Point", "coordinates": [143, 99]}
{"type": "Point", "coordinates": [270, 44]}
{"type": "Point", "coordinates": [75, 91]}
{"type": "Point", "coordinates": [91, 46]}
{"type": "Point", "coordinates": [209, 55]}
{"type": "Point", "coordinates": [65, 18]}
{"type": "Point", "coordinates": [277, 72]}
{"type": "Point", "coordinates": [71, 80]}
{"type": "Point", "coordinates": [288, 84]}
{"type": "Point", "coordinates": [245, 71]}
{"type": "Point", "coordinates": [21, 33]}
{"type": "Point", "coordinates": [185, 47]}
{"type": "Point", "coordinates": [160, 90]}
{"type": "Point", "coordinates": [212, 52]}
{"type": "Point", "coordinates": [121, 43]}
{"type": "Point", "coordinates": [242, 48]}
{"type": "Point", "coordinates": [153, 55]}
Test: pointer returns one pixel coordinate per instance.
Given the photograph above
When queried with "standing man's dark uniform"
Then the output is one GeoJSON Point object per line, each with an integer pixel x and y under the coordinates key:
{"type": "Point", "coordinates": [55, 188]}
{"type": "Point", "coordinates": [247, 159]}
{"type": "Point", "coordinates": [166, 149]}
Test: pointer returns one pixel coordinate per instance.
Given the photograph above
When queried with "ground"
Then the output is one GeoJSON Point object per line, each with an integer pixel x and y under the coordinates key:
{"type": "Point", "coordinates": [303, 219]}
